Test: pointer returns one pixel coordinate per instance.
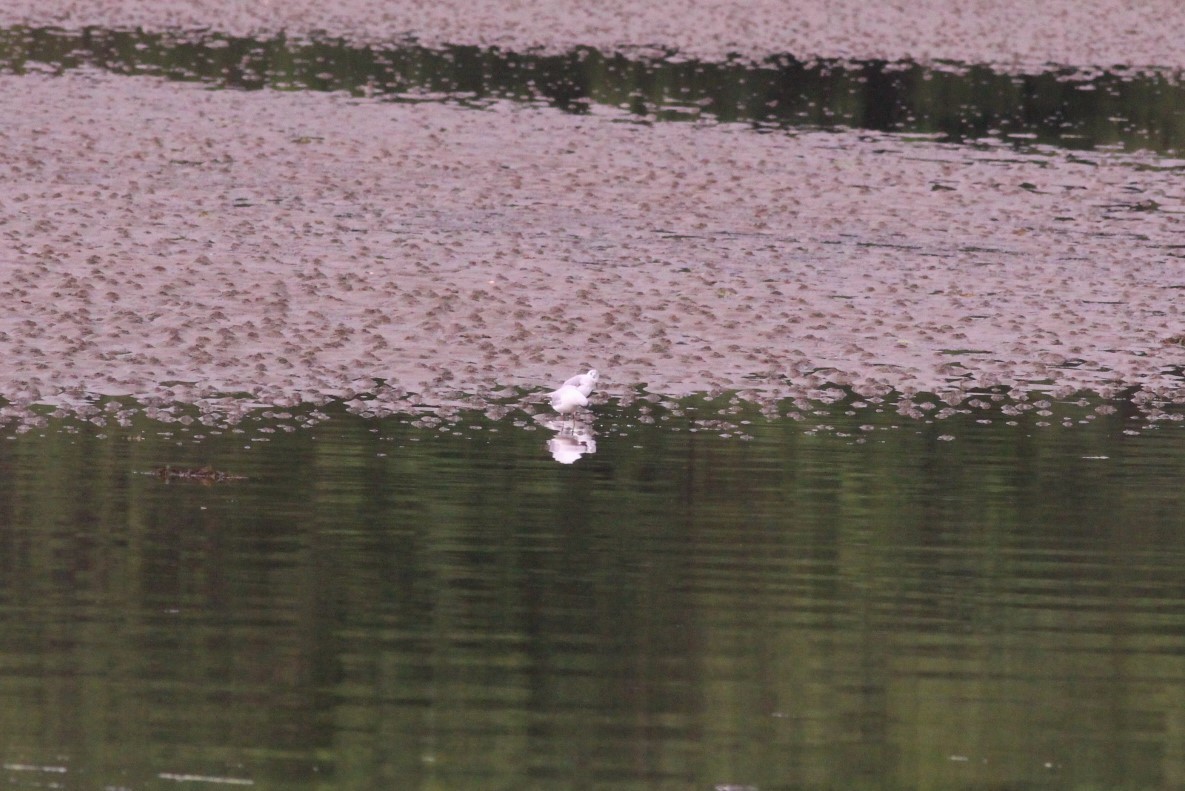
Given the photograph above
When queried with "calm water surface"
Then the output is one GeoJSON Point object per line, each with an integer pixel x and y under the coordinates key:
{"type": "Point", "coordinates": [849, 600]}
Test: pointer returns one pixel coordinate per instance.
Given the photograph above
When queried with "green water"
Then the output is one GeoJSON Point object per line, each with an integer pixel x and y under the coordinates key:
{"type": "Point", "coordinates": [798, 604]}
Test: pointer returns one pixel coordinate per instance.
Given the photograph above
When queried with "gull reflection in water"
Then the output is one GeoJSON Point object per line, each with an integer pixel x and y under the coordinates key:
{"type": "Point", "coordinates": [572, 439]}
{"type": "Point", "coordinates": [574, 436]}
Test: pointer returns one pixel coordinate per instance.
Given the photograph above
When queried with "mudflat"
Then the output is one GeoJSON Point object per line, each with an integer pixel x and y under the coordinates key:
{"type": "Point", "coordinates": [176, 243]}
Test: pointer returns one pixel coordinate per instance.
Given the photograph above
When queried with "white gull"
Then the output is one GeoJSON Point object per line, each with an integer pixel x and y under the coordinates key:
{"type": "Point", "coordinates": [574, 393]}
{"type": "Point", "coordinates": [583, 382]}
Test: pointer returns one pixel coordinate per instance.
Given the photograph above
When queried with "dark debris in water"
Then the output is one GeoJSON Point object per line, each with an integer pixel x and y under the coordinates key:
{"type": "Point", "coordinates": [206, 475]}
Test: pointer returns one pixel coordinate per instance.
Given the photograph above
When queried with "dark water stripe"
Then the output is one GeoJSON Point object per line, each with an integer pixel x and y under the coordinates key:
{"type": "Point", "coordinates": [954, 103]}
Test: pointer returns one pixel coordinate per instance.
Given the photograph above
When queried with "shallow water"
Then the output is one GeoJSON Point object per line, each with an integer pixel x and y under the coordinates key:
{"type": "Point", "coordinates": [1078, 109]}
{"type": "Point", "coordinates": [843, 599]}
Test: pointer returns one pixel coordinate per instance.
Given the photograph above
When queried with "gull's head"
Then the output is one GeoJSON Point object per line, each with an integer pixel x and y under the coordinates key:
{"type": "Point", "coordinates": [583, 382]}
